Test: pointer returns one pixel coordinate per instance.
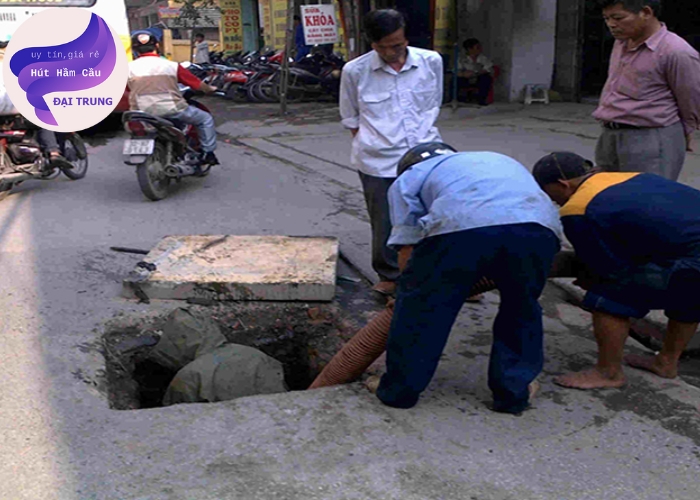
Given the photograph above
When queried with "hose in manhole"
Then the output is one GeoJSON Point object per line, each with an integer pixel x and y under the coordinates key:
{"type": "Point", "coordinates": [370, 342]}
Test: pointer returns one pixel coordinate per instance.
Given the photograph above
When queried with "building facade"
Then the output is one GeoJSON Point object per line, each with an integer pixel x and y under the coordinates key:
{"type": "Point", "coordinates": [562, 44]}
{"type": "Point", "coordinates": [237, 25]}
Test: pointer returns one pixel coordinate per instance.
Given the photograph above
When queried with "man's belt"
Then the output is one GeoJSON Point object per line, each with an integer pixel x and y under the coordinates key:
{"type": "Point", "coordinates": [620, 126]}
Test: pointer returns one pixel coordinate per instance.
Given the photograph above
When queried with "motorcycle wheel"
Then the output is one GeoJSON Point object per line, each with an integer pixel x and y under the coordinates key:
{"type": "Point", "coordinates": [151, 175]}
{"type": "Point", "coordinates": [233, 92]}
{"type": "Point", "coordinates": [74, 151]}
{"type": "Point", "coordinates": [293, 94]}
{"type": "Point", "coordinates": [250, 93]}
{"type": "Point", "coordinates": [262, 92]}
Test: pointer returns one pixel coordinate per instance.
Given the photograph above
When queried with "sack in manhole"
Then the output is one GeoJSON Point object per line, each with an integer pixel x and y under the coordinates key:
{"type": "Point", "coordinates": [185, 337]}
{"type": "Point", "coordinates": [229, 372]}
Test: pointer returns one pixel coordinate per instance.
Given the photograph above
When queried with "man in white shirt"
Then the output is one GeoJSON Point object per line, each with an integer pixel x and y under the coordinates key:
{"type": "Point", "coordinates": [201, 50]}
{"type": "Point", "coordinates": [476, 70]}
{"type": "Point", "coordinates": [390, 99]}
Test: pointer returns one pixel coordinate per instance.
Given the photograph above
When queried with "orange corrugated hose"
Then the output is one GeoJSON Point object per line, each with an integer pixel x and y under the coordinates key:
{"type": "Point", "coordinates": [370, 342]}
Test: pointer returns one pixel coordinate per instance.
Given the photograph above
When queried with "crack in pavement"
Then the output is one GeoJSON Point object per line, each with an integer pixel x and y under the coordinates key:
{"type": "Point", "coordinates": [237, 142]}
{"type": "Point", "coordinates": [343, 196]}
{"type": "Point", "coordinates": [345, 167]}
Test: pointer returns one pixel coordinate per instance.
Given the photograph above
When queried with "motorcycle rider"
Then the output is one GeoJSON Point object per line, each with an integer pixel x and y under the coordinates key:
{"type": "Point", "coordinates": [153, 84]}
{"type": "Point", "coordinates": [46, 138]}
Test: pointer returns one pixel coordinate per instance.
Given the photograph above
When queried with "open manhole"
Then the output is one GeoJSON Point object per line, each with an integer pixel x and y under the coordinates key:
{"type": "Point", "coordinates": [303, 337]}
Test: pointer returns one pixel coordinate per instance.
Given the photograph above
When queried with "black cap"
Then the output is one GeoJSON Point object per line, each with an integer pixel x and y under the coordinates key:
{"type": "Point", "coordinates": [560, 166]}
{"type": "Point", "coordinates": [421, 153]}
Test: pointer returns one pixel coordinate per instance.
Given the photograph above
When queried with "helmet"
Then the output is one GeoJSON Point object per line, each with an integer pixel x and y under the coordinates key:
{"type": "Point", "coordinates": [423, 152]}
{"type": "Point", "coordinates": [143, 37]}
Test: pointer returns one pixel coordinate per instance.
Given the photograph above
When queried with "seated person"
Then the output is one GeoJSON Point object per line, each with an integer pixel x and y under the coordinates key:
{"type": "Point", "coordinates": [639, 235]}
{"type": "Point", "coordinates": [475, 70]}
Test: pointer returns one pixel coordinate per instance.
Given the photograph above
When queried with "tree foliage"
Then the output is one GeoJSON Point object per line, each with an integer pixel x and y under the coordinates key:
{"type": "Point", "coordinates": [192, 12]}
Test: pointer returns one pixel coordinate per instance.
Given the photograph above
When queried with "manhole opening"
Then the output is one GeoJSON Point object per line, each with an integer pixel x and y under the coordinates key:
{"type": "Point", "coordinates": [301, 336]}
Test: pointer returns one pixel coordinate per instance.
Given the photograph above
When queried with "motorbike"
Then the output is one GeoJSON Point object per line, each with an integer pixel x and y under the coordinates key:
{"type": "Point", "coordinates": [239, 81]}
{"type": "Point", "coordinates": [163, 150]}
{"type": "Point", "coordinates": [314, 76]}
{"type": "Point", "coordinates": [234, 82]}
{"type": "Point", "coordinates": [22, 158]}
{"type": "Point", "coordinates": [216, 57]}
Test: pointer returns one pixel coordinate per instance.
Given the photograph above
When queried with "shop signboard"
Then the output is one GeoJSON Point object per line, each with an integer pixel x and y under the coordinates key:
{"type": "Point", "coordinates": [231, 25]}
{"type": "Point", "coordinates": [320, 24]}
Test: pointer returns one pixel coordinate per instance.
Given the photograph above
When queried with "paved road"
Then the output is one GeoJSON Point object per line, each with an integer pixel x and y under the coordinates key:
{"type": "Point", "coordinates": [60, 284]}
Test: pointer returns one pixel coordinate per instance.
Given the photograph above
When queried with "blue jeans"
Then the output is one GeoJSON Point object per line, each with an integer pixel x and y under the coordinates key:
{"type": "Point", "coordinates": [432, 290]}
{"type": "Point", "coordinates": [47, 140]}
{"type": "Point", "coordinates": [204, 123]}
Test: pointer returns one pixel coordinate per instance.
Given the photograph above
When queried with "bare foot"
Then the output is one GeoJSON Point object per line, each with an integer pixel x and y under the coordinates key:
{"type": "Point", "coordinates": [385, 287]}
{"type": "Point", "coordinates": [652, 364]}
{"type": "Point", "coordinates": [590, 379]}
{"type": "Point", "coordinates": [372, 383]}
{"type": "Point", "coordinates": [474, 299]}
{"type": "Point", "coordinates": [533, 389]}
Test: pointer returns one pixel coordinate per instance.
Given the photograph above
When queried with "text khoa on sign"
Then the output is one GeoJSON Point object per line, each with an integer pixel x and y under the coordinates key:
{"type": "Point", "coordinates": [320, 24]}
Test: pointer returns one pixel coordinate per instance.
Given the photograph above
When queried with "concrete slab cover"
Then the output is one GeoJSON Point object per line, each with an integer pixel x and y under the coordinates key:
{"type": "Point", "coordinates": [226, 267]}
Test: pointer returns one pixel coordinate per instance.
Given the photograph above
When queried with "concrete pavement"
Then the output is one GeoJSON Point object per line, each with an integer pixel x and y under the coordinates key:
{"type": "Point", "coordinates": [60, 284]}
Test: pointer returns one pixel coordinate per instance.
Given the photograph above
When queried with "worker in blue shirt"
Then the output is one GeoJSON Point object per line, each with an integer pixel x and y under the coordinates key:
{"type": "Point", "coordinates": [457, 217]}
{"type": "Point", "coordinates": [639, 237]}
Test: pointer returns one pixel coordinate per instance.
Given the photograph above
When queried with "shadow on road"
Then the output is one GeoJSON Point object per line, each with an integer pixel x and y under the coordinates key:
{"type": "Point", "coordinates": [99, 134]}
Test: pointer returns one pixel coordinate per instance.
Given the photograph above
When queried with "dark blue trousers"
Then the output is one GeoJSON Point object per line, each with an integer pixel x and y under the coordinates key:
{"type": "Point", "coordinates": [482, 84]}
{"type": "Point", "coordinates": [432, 290]}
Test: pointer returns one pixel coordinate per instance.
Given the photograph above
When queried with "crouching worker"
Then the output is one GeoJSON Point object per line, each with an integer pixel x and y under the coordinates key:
{"type": "Point", "coordinates": [456, 218]}
{"type": "Point", "coordinates": [639, 234]}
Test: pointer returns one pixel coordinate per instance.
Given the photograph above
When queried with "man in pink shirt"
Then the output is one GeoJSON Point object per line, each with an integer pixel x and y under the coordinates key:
{"type": "Point", "coordinates": [650, 105]}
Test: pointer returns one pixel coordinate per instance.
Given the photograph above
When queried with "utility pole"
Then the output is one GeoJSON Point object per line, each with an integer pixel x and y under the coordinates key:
{"type": "Point", "coordinates": [284, 83]}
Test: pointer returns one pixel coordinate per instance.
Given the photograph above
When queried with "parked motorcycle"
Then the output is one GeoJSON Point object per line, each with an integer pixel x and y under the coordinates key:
{"type": "Point", "coordinates": [315, 76]}
{"type": "Point", "coordinates": [163, 150]}
{"type": "Point", "coordinates": [22, 158]}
